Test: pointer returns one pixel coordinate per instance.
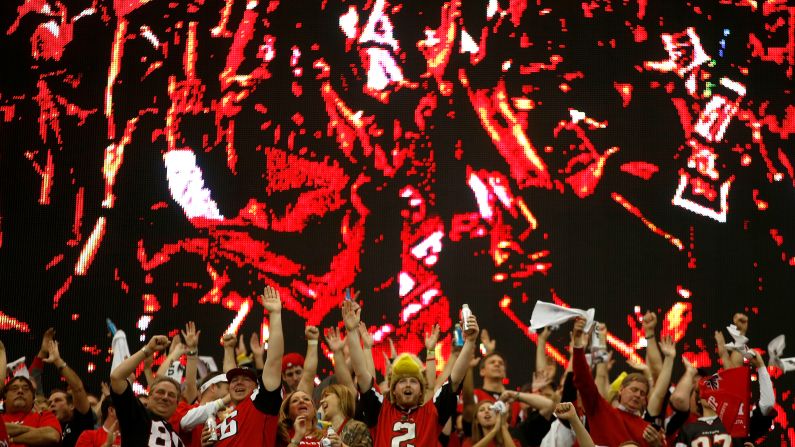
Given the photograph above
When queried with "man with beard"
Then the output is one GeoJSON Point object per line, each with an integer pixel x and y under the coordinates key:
{"type": "Point", "coordinates": [404, 417]}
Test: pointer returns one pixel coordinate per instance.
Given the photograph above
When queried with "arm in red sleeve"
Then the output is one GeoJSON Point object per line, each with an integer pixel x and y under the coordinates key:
{"type": "Point", "coordinates": [585, 383]}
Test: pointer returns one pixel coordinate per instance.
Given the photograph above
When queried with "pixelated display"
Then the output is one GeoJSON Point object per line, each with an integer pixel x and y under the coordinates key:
{"type": "Point", "coordinates": [164, 160]}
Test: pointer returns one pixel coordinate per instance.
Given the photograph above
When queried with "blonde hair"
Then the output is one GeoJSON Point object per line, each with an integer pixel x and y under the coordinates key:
{"type": "Point", "coordinates": [286, 422]}
{"type": "Point", "coordinates": [345, 396]}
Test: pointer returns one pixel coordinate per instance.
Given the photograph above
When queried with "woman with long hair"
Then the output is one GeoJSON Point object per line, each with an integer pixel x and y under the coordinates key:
{"type": "Point", "coordinates": [489, 428]}
{"type": "Point", "coordinates": [337, 406]}
{"type": "Point", "coordinates": [298, 422]}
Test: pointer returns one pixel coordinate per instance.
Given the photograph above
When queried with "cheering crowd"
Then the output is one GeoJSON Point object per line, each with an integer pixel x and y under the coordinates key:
{"type": "Point", "coordinates": [273, 398]}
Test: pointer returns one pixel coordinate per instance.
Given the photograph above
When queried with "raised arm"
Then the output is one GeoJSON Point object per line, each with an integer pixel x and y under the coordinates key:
{"type": "Point", "coordinates": [337, 345]}
{"type": "Point", "coordinates": [565, 411]}
{"type": "Point", "coordinates": [653, 356]}
{"type": "Point", "coordinates": [191, 337]}
{"type": "Point", "coordinates": [367, 347]}
{"type": "Point", "coordinates": [657, 395]}
{"type": "Point", "coordinates": [118, 377]}
{"type": "Point", "coordinates": [79, 395]}
{"type": "Point", "coordinates": [461, 364]}
{"type": "Point", "coordinates": [230, 341]}
{"type": "Point", "coordinates": [431, 338]}
{"type": "Point", "coordinates": [468, 392]}
{"type": "Point", "coordinates": [307, 383]}
{"type": "Point", "coordinates": [351, 317]}
{"type": "Point", "coordinates": [3, 365]}
{"type": "Point", "coordinates": [272, 371]}
{"type": "Point", "coordinates": [175, 351]}
{"type": "Point", "coordinates": [541, 349]}
{"type": "Point", "coordinates": [680, 398]}
{"type": "Point", "coordinates": [582, 372]}
{"type": "Point", "coordinates": [257, 351]}
{"type": "Point", "coordinates": [723, 353]}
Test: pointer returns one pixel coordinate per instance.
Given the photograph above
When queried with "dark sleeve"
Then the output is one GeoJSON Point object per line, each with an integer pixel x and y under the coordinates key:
{"type": "Point", "coordinates": [569, 393]}
{"type": "Point", "coordinates": [676, 422]}
{"type": "Point", "coordinates": [446, 402]}
{"type": "Point", "coordinates": [532, 430]}
{"type": "Point", "coordinates": [134, 421]}
{"type": "Point", "coordinates": [80, 422]}
{"type": "Point", "coordinates": [265, 401]}
{"type": "Point", "coordinates": [369, 407]}
{"type": "Point", "coordinates": [759, 424]}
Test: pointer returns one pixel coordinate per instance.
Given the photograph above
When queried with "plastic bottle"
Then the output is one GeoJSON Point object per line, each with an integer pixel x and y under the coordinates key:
{"type": "Point", "coordinates": [210, 424]}
{"type": "Point", "coordinates": [465, 314]}
{"type": "Point", "coordinates": [326, 442]}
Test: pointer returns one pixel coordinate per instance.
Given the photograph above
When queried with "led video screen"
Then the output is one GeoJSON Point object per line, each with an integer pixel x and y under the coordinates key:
{"type": "Point", "coordinates": [162, 161]}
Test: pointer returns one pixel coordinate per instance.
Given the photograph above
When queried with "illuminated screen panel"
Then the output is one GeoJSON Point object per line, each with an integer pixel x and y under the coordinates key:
{"type": "Point", "coordinates": [162, 161]}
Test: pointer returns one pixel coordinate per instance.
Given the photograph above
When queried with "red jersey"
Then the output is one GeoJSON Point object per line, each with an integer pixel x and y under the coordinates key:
{"type": "Point", "coordinates": [420, 426]}
{"type": "Point", "coordinates": [32, 419]}
{"type": "Point", "coordinates": [96, 438]}
{"type": "Point", "coordinates": [608, 425]}
{"type": "Point", "coordinates": [253, 422]}
{"type": "Point", "coordinates": [3, 436]}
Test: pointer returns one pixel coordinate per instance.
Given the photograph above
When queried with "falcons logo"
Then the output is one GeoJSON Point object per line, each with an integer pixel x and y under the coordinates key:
{"type": "Point", "coordinates": [713, 382]}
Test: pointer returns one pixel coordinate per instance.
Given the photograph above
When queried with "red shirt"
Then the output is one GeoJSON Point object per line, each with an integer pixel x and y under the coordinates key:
{"type": "Point", "coordinates": [32, 419]}
{"type": "Point", "coordinates": [96, 438]}
{"type": "Point", "coordinates": [608, 425]}
{"type": "Point", "coordinates": [253, 422]}
{"type": "Point", "coordinates": [420, 426]}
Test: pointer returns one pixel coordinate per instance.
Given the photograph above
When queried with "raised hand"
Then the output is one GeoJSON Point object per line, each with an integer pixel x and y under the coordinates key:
{"type": "Point", "coordinates": [640, 367]}
{"type": "Point", "coordinates": [53, 354]}
{"type": "Point", "coordinates": [229, 340]}
{"type": "Point", "coordinates": [191, 336]}
{"type": "Point", "coordinates": [366, 336]}
{"type": "Point", "coordinates": [176, 345]}
{"type": "Point", "coordinates": [48, 336]}
{"type": "Point", "coordinates": [668, 346]}
{"type": "Point", "coordinates": [312, 333]}
{"type": "Point", "coordinates": [565, 411]}
{"type": "Point", "coordinates": [432, 338]}
{"type": "Point", "coordinates": [334, 339]}
{"type": "Point", "coordinates": [255, 345]}
{"type": "Point", "coordinates": [240, 348]}
{"type": "Point", "coordinates": [757, 360]}
{"type": "Point", "coordinates": [158, 343]}
{"type": "Point", "coordinates": [489, 343]}
{"type": "Point", "coordinates": [578, 333]}
{"type": "Point", "coordinates": [351, 315]}
{"type": "Point", "coordinates": [689, 368]}
{"type": "Point", "coordinates": [472, 330]}
{"type": "Point", "coordinates": [649, 323]}
{"type": "Point", "coordinates": [544, 334]}
{"type": "Point", "coordinates": [271, 300]}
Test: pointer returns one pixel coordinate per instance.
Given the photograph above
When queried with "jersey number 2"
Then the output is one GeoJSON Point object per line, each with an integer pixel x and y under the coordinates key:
{"type": "Point", "coordinates": [408, 432]}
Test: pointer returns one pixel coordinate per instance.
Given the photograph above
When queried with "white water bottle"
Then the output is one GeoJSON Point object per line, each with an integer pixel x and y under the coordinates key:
{"type": "Point", "coordinates": [326, 442]}
{"type": "Point", "coordinates": [211, 426]}
{"type": "Point", "coordinates": [465, 314]}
